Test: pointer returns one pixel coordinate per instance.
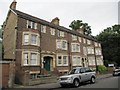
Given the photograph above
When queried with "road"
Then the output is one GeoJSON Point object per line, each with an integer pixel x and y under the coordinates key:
{"type": "Point", "coordinates": [107, 82]}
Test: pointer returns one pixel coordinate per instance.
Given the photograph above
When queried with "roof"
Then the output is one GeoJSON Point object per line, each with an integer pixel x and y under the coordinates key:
{"type": "Point", "coordinates": [61, 28]}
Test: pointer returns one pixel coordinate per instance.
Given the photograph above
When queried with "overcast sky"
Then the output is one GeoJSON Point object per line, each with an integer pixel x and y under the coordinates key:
{"type": "Point", "coordinates": [99, 14]}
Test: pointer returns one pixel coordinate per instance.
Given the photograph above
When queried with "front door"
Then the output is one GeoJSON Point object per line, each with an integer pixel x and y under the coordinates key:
{"type": "Point", "coordinates": [47, 63]}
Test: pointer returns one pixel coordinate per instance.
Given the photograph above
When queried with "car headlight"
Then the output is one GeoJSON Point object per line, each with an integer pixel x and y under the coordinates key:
{"type": "Point", "coordinates": [70, 78]}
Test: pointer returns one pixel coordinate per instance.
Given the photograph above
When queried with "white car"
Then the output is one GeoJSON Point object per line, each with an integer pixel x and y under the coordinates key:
{"type": "Point", "coordinates": [78, 75]}
{"type": "Point", "coordinates": [116, 72]}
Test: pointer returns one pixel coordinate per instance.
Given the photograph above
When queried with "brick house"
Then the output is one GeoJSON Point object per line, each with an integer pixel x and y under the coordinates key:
{"type": "Point", "coordinates": [38, 46]}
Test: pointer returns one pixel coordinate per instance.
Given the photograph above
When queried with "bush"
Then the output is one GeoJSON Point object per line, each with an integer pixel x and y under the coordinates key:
{"type": "Point", "coordinates": [102, 68]}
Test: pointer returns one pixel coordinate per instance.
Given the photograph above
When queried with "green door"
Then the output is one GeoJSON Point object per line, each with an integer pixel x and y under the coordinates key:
{"type": "Point", "coordinates": [47, 63]}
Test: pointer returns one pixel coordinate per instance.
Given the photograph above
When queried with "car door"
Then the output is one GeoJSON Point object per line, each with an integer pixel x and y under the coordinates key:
{"type": "Point", "coordinates": [88, 74]}
{"type": "Point", "coordinates": [83, 74]}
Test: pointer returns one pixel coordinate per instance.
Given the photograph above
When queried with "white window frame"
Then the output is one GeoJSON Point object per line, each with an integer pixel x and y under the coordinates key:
{"type": "Point", "coordinates": [75, 47]}
{"type": "Point", "coordinates": [74, 37]}
{"type": "Point", "coordinates": [91, 61]}
{"type": "Point", "coordinates": [76, 61]}
{"type": "Point", "coordinates": [60, 33]}
{"type": "Point", "coordinates": [85, 50]}
{"type": "Point", "coordinates": [26, 42]}
{"type": "Point", "coordinates": [60, 43]}
{"type": "Point", "coordinates": [25, 59]}
{"type": "Point", "coordinates": [52, 31]}
{"type": "Point", "coordinates": [29, 58]}
{"type": "Point", "coordinates": [43, 28]}
{"type": "Point", "coordinates": [88, 42]}
{"type": "Point", "coordinates": [80, 39]}
{"type": "Point", "coordinates": [30, 38]}
{"type": "Point", "coordinates": [96, 44]}
{"type": "Point", "coordinates": [31, 24]}
{"type": "Point", "coordinates": [62, 60]}
{"type": "Point", "coordinates": [84, 40]}
{"type": "Point", "coordinates": [33, 59]}
{"type": "Point", "coordinates": [90, 50]}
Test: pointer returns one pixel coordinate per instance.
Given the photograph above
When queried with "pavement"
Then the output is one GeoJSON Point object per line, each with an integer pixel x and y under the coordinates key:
{"type": "Point", "coordinates": [56, 84]}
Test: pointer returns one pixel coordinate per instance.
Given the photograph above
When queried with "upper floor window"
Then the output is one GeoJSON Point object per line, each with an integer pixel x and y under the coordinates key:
{"type": "Point", "coordinates": [88, 42]}
{"type": "Point", "coordinates": [60, 33]}
{"type": "Point", "coordinates": [90, 50]}
{"type": "Point", "coordinates": [74, 37]}
{"type": "Point", "coordinates": [75, 47]}
{"type": "Point", "coordinates": [52, 31]}
{"type": "Point", "coordinates": [31, 24]}
{"type": "Point", "coordinates": [31, 38]}
{"type": "Point", "coordinates": [61, 44]}
{"type": "Point", "coordinates": [85, 50]}
{"type": "Point", "coordinates": [80, 39]}
{"type": "Point", "coordinates": [26, 39]}
{"type": "Point", "coordinates": [98, 51]}
{"type": "Point", "coordinates": [43, 29]}
{"type": "Point", "coordinates": [84, 40]}
{"type": "Point", "coordinates": [96, 44]}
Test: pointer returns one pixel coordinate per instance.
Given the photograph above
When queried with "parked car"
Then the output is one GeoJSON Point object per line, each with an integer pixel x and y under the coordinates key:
{"type": "Point", "coordinates": [116, 72]}
{"type": "Point", "coordinates": [78, 75]}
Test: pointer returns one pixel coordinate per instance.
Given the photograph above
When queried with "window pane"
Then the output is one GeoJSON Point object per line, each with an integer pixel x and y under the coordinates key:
{"type": "Point", "coordinates": [33, 39]}
{"type": "Point", "coordinates": [64, 45]}
{"type": "Point", "coordinates": [25, 59]}
{"type": "Point", "coordinates": [59, 60]}
{"type": "Point", "coordinates": [33, 59]}
{"type": "Point", "coordinates": [26, 38]}
{"type": "Point", "coordinates": [64, 59]}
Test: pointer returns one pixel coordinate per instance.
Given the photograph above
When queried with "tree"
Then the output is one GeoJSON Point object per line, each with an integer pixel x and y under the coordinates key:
{"type": "Point", "coordinates": [78, 24]}
{"type": "Point", "coordinates": [110, 40]}
{"type": "Point", "coordinates": [87, 29]}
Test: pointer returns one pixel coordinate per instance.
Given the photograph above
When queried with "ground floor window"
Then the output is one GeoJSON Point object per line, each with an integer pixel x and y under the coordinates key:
{"type": "Point", "coordinates": [76, 61]}
{"type": "Point", "coordinates": [34, 75]}
{"type": "Point", "coordinates": [62, 60]}
{"type": "Point", "coordinates": [30, 58]}
{"type": "Point", "coordinates": [91, 60]}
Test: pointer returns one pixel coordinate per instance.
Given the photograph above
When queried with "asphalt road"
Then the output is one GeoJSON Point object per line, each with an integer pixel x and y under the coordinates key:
{"type": "Point", "coordinates": [101, 82]}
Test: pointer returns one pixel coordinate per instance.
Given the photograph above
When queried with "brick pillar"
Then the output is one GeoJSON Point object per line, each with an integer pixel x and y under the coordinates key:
{"type": "Point", "coordinates": [26, 77]}
{"type": "Point", "coordinates": [11, 74]}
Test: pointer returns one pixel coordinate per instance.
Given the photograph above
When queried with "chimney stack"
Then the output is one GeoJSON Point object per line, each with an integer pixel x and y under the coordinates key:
{"type": "Point", "coordinates": [13, 5]}
{"type": "Point", "coordinates": [55, 21]}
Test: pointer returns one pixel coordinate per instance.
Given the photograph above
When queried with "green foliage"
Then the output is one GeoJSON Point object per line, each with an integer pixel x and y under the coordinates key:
{"type": "Point", "coordinates": [102, 68]}
{"type": "Point", "coordinates": [110, 40]}
{"type": "Point", "coordinates": [78, 24]}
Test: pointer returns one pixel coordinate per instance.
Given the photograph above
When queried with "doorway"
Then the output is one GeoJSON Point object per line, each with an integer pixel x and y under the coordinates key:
{"type": "Point", "coordinates": [47, 63]}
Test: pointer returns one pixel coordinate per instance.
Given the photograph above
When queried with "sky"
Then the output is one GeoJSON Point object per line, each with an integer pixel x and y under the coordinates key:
{"type": "Point", "coordinates": [99, 14]}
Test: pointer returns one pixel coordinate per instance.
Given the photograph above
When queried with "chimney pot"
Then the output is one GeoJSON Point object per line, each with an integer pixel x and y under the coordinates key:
{"type": "Point", "coordinates": [13, 5]}
{"type": "Point", "coordinates": [55, 21]}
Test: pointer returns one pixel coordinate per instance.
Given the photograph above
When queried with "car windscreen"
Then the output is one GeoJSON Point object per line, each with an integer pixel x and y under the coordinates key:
{"type": "Point", "coordinates": [74, 71]}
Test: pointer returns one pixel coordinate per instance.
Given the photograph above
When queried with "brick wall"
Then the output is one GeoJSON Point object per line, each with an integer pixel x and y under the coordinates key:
{"type": "Point", "coordinates": [7, 74]}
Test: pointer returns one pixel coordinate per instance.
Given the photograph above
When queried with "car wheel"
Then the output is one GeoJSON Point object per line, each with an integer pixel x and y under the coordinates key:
{"type": "Point", "coordinates": [92, 80]}
{"type": "Point", "coordinates": [76, 83]}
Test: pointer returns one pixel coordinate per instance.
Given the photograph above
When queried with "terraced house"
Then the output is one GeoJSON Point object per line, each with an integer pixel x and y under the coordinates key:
{"type": "Point", "coordinates": [39, 47]}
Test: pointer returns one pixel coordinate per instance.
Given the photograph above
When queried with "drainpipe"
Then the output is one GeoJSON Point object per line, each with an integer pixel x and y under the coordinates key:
{"type": "Point", "coordinates": [95, 61]}
{"type": "Point", "coordinates": [69, 50]}
{"type": "Point", "coordinates": [40, 49]}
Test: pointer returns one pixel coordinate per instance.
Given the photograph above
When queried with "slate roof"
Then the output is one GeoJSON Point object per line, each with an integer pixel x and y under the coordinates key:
{"type": "Point", "coordinates": [43, 22]}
